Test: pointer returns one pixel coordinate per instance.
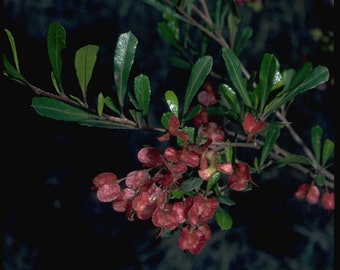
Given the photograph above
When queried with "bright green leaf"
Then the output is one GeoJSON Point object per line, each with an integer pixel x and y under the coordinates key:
{"type": "Point", "coordinates": [172, 101]}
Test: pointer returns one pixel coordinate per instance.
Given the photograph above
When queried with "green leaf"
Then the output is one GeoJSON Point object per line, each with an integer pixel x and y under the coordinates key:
{"type": "Point", "coordinates": [230, 98]}
{"type": "Point", "coordinates": [165, 119]}
{"type": "Point", "coordinates": [292, 159]}
{"type": "Point", "coordinates": [268, 70]}
{"type": "Point", "coordinates": [316, 136]}
{"type": "Point", "coordinates": [111, 105]}
{"type": "Point", "coordinates": [327, 151]}
{"type": "Point", "coordinates": [56, 42]}
{"type": "Point", "coordinates": [233, 66]}
{"type": "Point", "coordinates": [320, 180]}
{"type": "Point", "coordinates": [242, 39]}
{"type": "Point", "coordinates": [192, 113]}
{"type": "Point", "coordinates": [228, 152]}
{"type": "Point", "coordinates": [199, 72]}
{"type": "Point", "coordinates": [100, 104]}
{"type": "Point", "coordinates": [123, 60]}
{"type": "Point", "coordinates": [172, 101]}
{"type": "Point", "coordinates": [190, 184]}
{"type": "Point", "coordinates": [225, 200]}
{"type": "Point", "coordinates": [55, 84]}
{"type": "Point", "coordinates": [13, 48]}
{"type": "Point", "coordinates": [142, 92]}
{"type": "Point", "coordinates": [166, 32]}
{"type": "Point", "coordinates": [163, 7]}
{"type": "Point", "coordinates": [316, 77]}
{"type": "Point", "coordinates": [84, 62]}
{"type": "Point", "coordinates": [223, 219]}
{"type": "Point", "coordinates": [269, 142]}
{"type": "Point", "coordinates": [213, 180]}
{"type": "Point", "coordinates": [13, 73]}
{"type": "Point", "coordinates": [58, 110]}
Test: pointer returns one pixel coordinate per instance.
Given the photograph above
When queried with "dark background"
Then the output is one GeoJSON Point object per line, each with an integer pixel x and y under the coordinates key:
{"type": "Point", "coordinates": [52, 219]}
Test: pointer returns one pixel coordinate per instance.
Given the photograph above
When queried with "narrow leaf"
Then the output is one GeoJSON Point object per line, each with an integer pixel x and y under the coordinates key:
{"type": "Point", "coordinates": [13, 73]}
{"type": "Point", "coordinates": [269, 142]}
{"type": "Point", "coordinates": [13, 48]}
{"type": "Point", "coordinates": [327, 151]}
{"type": "Point", "coordinates": [142, 92]}
{"type": "Point", "coordinates": [58, 110]}
{"type": "Point", "coordinates": [56, 42]}
{"type": "Point", "coordinates": [292, 159]}
{"type": "Point", "coordinates": [316, 135]}
{"type": "Point", "coordinates": [84, 62]}
{"type": "Point", "coordinates": [123, 60]}
{"type": "Point", "coordinates": [319, 75]}
{"type": "Point", "coordinates": [199, 72]}
{"type": "Point", "coordinates": [100, 104]}
{"type": "Point", "coordinates": [267, 72]}
{"type": "Point", "coordinates": [233, 66]}
{"type": "Point", "coordinates": [110, 104]}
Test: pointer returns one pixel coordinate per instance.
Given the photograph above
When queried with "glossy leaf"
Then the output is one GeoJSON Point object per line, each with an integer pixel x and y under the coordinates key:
{"type": "Point", "coordinates": [228, 152]}
{"type": "Point", "coordinates": [84, 62]}
{"type": "Point", "coordinates": [316, 136]}
{"type": "Point", "coordinates": [142, 92]}
{"type": "Point", "coordinates": [199, 72]}
{"type": "Point", "coordinates": [317, 76]}
{"type": "Point", "coordinates": [213, 180]}
{"type": "Point", "coordinates": [123, 60]}
{"type": "Point", "coordinates": [172, 101]}
{"type": "Point", "coordinates": [327, 151]}
{"type": "Point", "coordinates": [233, 66]}
{"type": "Point", "coordinates": [13, 48]}
{"type": "Point", "coordinates": [56, 42]}
{"type": "Point", "coordinates": [223, 219]}
{"type": "Point", "coordinates": [269, 142]}
{"type": "Point", "coordinates": [13, 73]}
{"type": "Point", "coordinates": [267, 73]}
{"type": "Point", "coordinates": [231, 100]}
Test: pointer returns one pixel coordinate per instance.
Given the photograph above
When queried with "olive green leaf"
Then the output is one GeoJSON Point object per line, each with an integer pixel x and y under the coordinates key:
{"type": "Point", "coordinates": [84, 62]}
{"type": "Point", "coordinates": [142, 92]}
{"type": "Point", "coordinates": [56, 42]}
